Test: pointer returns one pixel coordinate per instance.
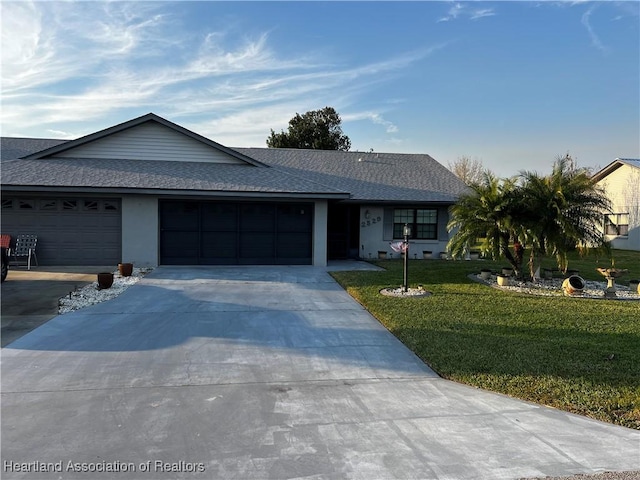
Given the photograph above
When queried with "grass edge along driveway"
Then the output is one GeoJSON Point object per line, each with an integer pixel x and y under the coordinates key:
{"type": "Point", "coordinates": [577, 355]}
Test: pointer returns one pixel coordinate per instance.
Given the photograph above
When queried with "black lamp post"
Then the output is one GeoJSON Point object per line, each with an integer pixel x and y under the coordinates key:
{"type": "Point", "coordinates": [406, 231]}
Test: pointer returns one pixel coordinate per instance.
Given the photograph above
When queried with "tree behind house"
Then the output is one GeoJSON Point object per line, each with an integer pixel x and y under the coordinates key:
{"type": "Point", "coordinates": [470, 171]}
{"type": "Point", "coordinates": [316, 129]}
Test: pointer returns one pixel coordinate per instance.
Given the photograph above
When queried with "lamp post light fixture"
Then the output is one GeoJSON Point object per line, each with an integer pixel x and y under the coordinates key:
{"type": "Point", "coordinates": [406, 232]}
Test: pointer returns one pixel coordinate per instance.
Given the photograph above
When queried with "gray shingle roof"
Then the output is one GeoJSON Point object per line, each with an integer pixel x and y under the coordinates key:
{"type": "Point", "coordinates": [379, 177]}
{"type": "Point", "coordinates": [154, 175]}
{"type": "Point", "coordinates": [368, 176]}
{"type": "Point", "coordinates": [14, 147]}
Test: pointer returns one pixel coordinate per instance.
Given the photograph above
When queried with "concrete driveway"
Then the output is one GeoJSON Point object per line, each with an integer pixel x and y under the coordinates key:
{"type": "Point", "coordinates": [30, 297]}
{"type": "Point", "coordinates": [265, 373]}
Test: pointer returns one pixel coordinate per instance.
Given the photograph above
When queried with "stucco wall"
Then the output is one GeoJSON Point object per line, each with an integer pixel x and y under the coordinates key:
{"type": "Point", "coordinates": [140, 231]}
{"type": "Point", "coordinates": [373, 237]}
{"type": "Point", "coordinates": [320, 233]}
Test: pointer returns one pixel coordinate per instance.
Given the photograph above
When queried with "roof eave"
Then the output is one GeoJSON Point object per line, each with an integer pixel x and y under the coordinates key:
{"type": "Point", "coordinates": [172, 192]}
{"type": "Point", "coordinates": [367, 201]}
{"type": "Point", "coordinates": [609, 169]}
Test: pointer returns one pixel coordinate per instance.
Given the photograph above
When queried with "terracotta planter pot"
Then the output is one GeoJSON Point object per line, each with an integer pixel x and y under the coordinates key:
{"type": "Point", "coordinates": [426, 254]}
{"type": "Point", "coordinates": [573, 285]}
{"type": "Point", "coordinates": [382, 255]}
{"type": "Point", "coordinates": [125, 269]}
{"type": "Point", "coordinates": [105, 280]}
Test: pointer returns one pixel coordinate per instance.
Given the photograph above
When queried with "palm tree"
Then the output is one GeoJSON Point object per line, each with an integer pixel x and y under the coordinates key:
{"type": "Point", "coordinates": [485, 215]}
{"type": "Point", "coordinates": [552, 214]}
{"type": "Point", "coordinates": [560, 212]}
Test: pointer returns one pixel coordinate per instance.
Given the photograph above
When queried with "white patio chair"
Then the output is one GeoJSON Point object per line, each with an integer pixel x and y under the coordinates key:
{"type": "Point", "coordinates": [25, 247]}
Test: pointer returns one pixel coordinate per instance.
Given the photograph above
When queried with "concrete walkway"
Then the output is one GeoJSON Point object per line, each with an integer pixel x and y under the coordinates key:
{"type": "Point", "coordinates": [265, 373]}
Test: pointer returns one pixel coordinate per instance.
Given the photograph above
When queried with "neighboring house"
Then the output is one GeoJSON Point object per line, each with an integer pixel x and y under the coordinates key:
{"type": "Point", "coordinates": [621, 181]}
{"type": "Point", "coordinates": [151, 192]}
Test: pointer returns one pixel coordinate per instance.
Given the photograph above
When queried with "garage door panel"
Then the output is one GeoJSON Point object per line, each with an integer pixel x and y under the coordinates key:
{"type": "Point", "coordinates": [179, 245]}
{"type": "Point", "coordinates": [294, 245]}
{"type": "Point", "coordinates": [47, 221]}
{"type": "Point", "coordinates": [221, 245]}
{"type": "Point", "coordinates": [238, 233]}
{"type": "Point", "coordinates": [219, 217]}
{"type": "Point", "coordinates": [257, 245]}
{"type": "Point", "coordinates": [93, 223]}
{"type": "Point", "coordinates": [180, 216]}
{"type": "Point", "coordinates": [257, 218]}
{"type": "Point", "coordinates": [294, 218]}
{"type": "Point", "coordinates": [68, 233]}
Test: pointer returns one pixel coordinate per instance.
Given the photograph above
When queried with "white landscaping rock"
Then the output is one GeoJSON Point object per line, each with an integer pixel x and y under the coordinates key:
{"type": "Point", "coordinates": [91, 294]}
{"type": "Point", "coordinates": [553, 288]}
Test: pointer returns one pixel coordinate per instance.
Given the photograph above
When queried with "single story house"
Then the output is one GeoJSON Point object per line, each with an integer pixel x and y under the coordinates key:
{"type": "Point", "coordinates": [621, 182]}
{"type": "Point", "coordinates": [152, 192]}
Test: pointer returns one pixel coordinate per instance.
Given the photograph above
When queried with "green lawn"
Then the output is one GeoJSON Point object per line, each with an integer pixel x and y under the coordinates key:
{"type": "Point", "coordinates": [579, 355]}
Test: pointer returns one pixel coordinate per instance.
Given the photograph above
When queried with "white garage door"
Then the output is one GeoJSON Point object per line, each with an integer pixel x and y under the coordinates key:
{"type": "Point", "coordinates": [71, 231]}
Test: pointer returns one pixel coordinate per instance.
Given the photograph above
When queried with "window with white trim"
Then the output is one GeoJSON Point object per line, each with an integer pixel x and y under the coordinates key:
{"type": "Point", "coordinates": [617, 224]}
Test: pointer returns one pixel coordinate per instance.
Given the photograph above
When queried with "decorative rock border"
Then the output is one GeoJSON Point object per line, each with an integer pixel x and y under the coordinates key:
{"type": "Point", "coordinates": [399, 292]}
{"type": "Point", "coordinates": [91, 294]}
{"type": "Point", "coordinates": [553, 288]}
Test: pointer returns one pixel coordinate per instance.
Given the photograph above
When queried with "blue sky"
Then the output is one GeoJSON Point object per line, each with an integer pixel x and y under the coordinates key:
{"type": "Point", "coordinates": [513, 84]}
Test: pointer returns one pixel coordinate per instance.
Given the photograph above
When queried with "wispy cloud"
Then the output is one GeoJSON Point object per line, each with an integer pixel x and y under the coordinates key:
{"type": "Point", "coordinates": [466, 10]}
{"type": "Point", "coordinates": [61, 134]}
{"type": "Point", "coordinates": [81, 61]}
{"type": "Point", "coordinates": [481, 13]}
{"type": "Point", "coordinates": [611, 10]}
{"type": "Point", "coordinates": [45, 43]}
{"type": "Point", "coordinates": [374, 117]}
{"type": "Point", "coordinates": [586, 21]}
{"type": "Point", "coordinates": [453, 13]}
{"type": "Point", "coordinates": [628, 9]}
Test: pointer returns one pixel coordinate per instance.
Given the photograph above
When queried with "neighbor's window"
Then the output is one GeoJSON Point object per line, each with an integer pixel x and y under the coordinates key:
{"type": "Point", "coordinates": [617, 224]}
{"type": "Point", "coordinates": [423, 222]}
